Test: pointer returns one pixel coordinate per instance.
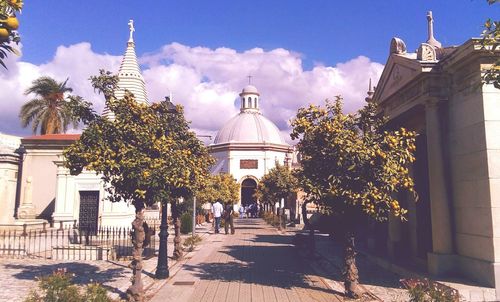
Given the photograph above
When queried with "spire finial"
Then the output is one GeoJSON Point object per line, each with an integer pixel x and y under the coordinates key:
{"type": "Point", "coordinates": [132, 29]}
{"type": "Point", "coordinates": [249, 79]}
{"type": "Point", "coordinates": [370, 91]}
{"type": "Point", "coordinates": [430, 30]}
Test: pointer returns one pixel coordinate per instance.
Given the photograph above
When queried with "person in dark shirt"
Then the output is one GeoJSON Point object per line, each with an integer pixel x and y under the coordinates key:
{"type": "Point", "coordinates": [228, 218]}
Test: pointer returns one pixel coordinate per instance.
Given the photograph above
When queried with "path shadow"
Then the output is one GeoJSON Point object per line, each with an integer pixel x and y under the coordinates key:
{"type": "Point", "coordinates": [275, 264]}
{"type": "Point", "coordinates": [329, 267]}
{"type": "Point", "coordinates": [274, 239]}
{"type": "Point", "coordinates": [328, 257]}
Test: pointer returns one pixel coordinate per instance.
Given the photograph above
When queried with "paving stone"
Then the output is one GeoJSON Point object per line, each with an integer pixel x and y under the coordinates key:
{"type": "Point", "coordinates": [255, 264]}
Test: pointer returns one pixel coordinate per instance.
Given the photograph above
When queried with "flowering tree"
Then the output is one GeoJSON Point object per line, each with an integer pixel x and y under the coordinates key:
{"type": "Point", "coordinates": [147, 154]}
{"type": "Point", "coordinates": [351, 166]}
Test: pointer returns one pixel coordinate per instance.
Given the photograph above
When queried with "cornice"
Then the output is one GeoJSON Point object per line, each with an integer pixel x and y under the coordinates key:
{"type": "Point", "coordinates": [9, 158]}
{"type": "Point", "coordinates": [248, 147]}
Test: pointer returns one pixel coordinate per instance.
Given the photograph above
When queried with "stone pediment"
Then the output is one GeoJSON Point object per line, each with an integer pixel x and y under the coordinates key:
{"type": "Point", "coordinates": [398, 71]}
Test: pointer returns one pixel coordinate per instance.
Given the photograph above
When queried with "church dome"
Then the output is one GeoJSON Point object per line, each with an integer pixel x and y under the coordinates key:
{"type": "Point", "coordinates": [249, 127]}
{"type": "Point", "coordinates": [250, 89]}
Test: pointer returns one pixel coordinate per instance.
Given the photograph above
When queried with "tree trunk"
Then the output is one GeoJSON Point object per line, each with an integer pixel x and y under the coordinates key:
{"type": "Point", "coordinates": [304, 214]}
{"type": "Point", "coordinates": [350, 273]}
{"type": "Point", "coordinates": [136, 291]}
{"type": "Point", "coordinates": [177, 229]}
{"type": "Point", "coordinates": [307, 225]}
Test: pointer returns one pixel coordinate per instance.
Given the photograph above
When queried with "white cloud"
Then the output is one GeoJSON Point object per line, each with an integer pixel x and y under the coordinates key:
{"type": "Point", "coordinates": [206, 81]}
{"type": "Point", "coordinates": [76, 62]}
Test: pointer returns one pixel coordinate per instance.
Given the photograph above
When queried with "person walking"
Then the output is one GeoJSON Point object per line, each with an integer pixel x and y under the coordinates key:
{"type": "Point", "coordinates": [228, 218]}
{"type": "Point", "coordinates": [217, 210]}
{"type": "Point", "coordinates": [242, 211]}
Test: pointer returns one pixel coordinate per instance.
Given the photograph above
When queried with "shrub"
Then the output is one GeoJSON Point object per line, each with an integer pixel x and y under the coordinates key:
{"type": "Point", "coordinates": [271, 218]}
{"type": "Point", "coordinates": [424, 290]}
{"type": "Point", "coordinates": [191, 242]}
{"type": "Point", "coordinates": [58, 287]}
{"type": "Point", "coordinates": [186, 223]}
{"type": "Point", "coordinates": [96, 293]}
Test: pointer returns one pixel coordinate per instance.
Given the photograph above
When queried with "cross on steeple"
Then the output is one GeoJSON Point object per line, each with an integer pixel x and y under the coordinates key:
{"type": "Point", "coordinates": [249, 79]}
{"type": "Point", "coordinates": [132, 29]}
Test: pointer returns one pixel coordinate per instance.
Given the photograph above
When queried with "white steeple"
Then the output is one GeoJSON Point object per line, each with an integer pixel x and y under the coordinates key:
{"type": "Point", "coordinates": [129, 75]}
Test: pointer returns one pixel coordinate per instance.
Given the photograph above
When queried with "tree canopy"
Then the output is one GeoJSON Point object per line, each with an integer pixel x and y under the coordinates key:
{"type": "Point", "coordinates": [491, 41]}
{"type": "Point", "coordinates": [349, 162]}
{"type": "Point", "coordinates": [221, 187]}
{"type": "Point", "coordinates": [49, 110]}
{"type": "Point", "coordinates": [278, 183]}
{"type": "Point", "coordinates": [147, 154]}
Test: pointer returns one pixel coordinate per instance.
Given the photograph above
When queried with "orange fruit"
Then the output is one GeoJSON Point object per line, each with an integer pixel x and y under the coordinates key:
{"type": "Point", "coordinates": [4, 33]}
{"type": "Point", "coordinates": [11, 23]}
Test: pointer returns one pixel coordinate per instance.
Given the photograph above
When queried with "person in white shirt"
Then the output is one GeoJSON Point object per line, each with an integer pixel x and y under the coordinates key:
{"type": "Point", "coordinates": [217, 210]}
{"type": "Point", "coordinates": [242, 211]}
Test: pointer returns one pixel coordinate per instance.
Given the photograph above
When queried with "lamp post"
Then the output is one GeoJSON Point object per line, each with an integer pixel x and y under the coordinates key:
{"type": "Point", "coordinates": [194, 197]}
{"type": "Point", "coordinates": [162, 271]}
{"type": "Point", "coordinates": [194, 216]}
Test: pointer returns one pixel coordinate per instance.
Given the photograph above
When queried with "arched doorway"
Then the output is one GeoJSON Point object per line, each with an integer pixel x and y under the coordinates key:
{"type": "Point", "coordinates": [248, 187]}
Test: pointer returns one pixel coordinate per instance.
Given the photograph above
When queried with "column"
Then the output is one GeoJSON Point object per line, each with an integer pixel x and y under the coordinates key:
{"type": "Point", "coordinates": [62, 210]}
{"type": "Point", "coordinates": [440, 261]}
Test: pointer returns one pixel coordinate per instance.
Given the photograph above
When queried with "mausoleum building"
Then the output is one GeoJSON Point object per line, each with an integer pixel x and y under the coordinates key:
{"type": "Point", "coordinates": [454, 227]}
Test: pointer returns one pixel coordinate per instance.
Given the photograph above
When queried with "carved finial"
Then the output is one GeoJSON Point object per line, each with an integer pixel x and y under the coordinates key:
{"type": "Point", "coordinates": [398, 46]}
{"type": "Point", "coordinates": [430, 29]}
{"type": "Point", "coordinates": [370, 88]}
{"type": "Point", "coordinates": [370, 91]}
{"type": "Point", "coordinates": [132, 29]}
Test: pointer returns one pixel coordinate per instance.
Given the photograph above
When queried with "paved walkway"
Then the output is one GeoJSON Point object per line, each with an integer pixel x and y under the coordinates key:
{"type": "Point", "coordinates": [255, 264]}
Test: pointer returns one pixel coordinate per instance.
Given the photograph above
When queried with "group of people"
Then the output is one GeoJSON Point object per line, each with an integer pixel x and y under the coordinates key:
{"type": "Point", "coordinates": [223, 212]}
{"type": "Point", "coordinates": [226, 212]}
{"type": "Point", "coordinates": [251, 211]}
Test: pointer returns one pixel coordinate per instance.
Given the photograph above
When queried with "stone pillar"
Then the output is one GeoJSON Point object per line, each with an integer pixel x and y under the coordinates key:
{"type": "Point", "coordinates": [62, 210]}
{"type": "Point", "coordinates": [441, 260]}
{"type": "Point", "coordinates": [9, 164]}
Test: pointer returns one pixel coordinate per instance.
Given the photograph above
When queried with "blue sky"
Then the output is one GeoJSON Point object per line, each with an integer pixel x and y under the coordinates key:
{"type": "Point", "coordinates": [323, 31]}
{"type": "Point", "coordinates": [202, 51]}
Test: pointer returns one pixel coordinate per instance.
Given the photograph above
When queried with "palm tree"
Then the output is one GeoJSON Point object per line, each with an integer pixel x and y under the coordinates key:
{"type": "Point", "coordinates": [48, 109]}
